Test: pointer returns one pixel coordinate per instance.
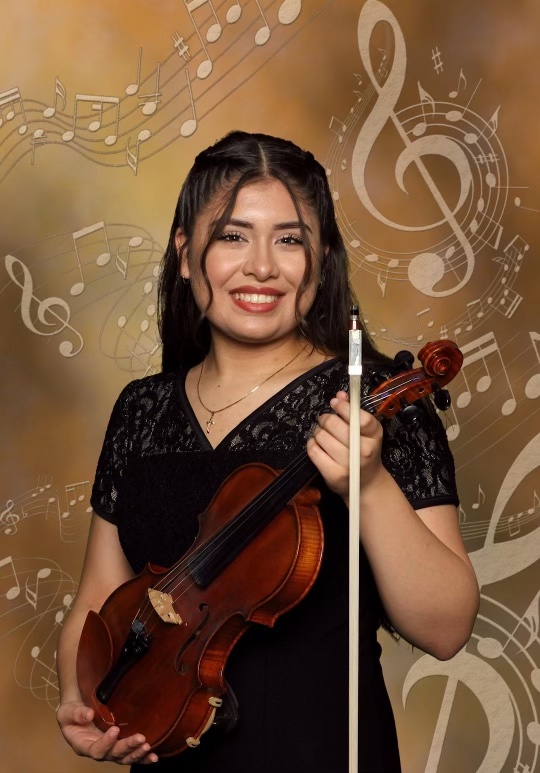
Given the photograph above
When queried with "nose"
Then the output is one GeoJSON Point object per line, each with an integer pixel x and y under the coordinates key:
{"type": "Point", "coordinates": [260, 261]}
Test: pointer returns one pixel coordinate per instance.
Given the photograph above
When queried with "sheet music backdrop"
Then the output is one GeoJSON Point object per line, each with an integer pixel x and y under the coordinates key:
{"type": "Point", "coordinates": [425, 115]}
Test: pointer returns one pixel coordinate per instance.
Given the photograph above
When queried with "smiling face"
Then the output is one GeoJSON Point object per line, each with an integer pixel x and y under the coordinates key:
{"type": "Point", "coordinates": [255, 266]}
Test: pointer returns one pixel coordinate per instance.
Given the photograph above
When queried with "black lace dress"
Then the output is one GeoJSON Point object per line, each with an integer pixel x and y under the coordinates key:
{"type": "Point", "coordinates": [157, 472]}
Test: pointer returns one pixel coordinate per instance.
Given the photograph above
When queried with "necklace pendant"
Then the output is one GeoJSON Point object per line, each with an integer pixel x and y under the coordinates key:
{"type": "Point", "coordinates": [210, 422]}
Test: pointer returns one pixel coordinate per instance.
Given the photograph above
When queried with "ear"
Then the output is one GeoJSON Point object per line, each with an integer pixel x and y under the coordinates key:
{"type": "Point", "coordinates": [180, 242]}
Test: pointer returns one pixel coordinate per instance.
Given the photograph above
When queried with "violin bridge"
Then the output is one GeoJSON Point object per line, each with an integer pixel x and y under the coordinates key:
{"type": "Point", "coordinates": [163, 604]}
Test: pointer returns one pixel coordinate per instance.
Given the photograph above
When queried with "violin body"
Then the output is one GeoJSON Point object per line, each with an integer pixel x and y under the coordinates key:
{"type": "Point", "coordinates": [152, 660]}
{"type": "Point", "coordinates": [170, 693]}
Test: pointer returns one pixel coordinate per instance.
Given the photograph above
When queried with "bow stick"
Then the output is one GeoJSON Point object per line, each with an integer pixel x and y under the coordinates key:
{"type": "Point", "coordinates": [355, 372]}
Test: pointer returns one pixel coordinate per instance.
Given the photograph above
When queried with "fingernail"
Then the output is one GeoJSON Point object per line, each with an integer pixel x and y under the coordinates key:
{"type": "Point", "coordinates": [334, 401]}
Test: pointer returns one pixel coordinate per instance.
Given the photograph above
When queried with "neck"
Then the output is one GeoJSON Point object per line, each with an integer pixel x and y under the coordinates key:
{"type": "Point", "coordinates": [226, 359]}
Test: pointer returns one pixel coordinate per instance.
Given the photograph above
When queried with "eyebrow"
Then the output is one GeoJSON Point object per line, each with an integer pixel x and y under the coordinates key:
{"type": "Point", "coordinates": [290, 224]}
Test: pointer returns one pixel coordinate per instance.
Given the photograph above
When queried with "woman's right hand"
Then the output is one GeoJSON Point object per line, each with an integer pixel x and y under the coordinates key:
{"type": "Point", "coordinates": [87, 740]}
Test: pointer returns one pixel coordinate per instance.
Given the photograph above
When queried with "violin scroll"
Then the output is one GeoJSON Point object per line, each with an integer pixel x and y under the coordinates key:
{"type": "Point", "coordinates": [441, 361]}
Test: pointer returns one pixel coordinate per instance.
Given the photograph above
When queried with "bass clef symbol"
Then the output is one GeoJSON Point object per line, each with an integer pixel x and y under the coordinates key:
{"type": "Point", "coordinates": [427, 269]}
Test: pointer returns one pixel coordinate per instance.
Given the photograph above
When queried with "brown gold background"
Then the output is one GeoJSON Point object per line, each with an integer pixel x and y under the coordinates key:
{"type": "Point", "coordinates": [103, 107]}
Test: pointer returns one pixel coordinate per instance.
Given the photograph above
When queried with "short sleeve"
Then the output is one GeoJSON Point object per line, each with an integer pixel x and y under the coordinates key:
{"type": "Point", "coordinates": [419, 458]}
{"type": "Point", "coordinates": [111, 465]}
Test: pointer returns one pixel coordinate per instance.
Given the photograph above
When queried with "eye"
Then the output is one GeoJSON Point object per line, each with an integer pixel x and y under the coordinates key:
{"type": "Point", "coordinates": [230, 236]}
{"type": "Point", "coordinates": [293, 239]}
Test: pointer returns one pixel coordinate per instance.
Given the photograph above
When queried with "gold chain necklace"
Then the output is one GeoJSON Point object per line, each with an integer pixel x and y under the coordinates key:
{"type": "Point", "coordinates": [230, 405]}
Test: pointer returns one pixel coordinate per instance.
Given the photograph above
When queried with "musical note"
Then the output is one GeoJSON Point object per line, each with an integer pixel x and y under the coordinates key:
{"type": "Point", "coordinates": [190, 126]}
{"type": "Point", "coordinates": [39, 138]}
{"type": "Point", "coordinates": [479, 315]}
{"type": "Point", "coordinates": [342, 128]}
{"type": "Point", "coordinates": [532, 387]}
{"type": "Point", "coordinates": [382, 276]}
{"type": "Point", "coordinates": [213, 33]}
{"type": "Point", "coordinates": [480, 350]}
{"type": "Point", "coordinates": [32, 595]}
{"type": "Point", "coordinates": [234, 13]}
{"type": "Point", "coordinates": [462, 82]}
{"type": "Point", "coordinates": [471, 138]}
{"type": "Point", "coordinates": [289, 10]}
{"type": "Point", "coordinates": [427, 269]}
{"type": "Point", "coordinates": [425, 99]}
{"type": "Point", "coordinates": [517, 202]}
{"type": "Point", "coordinates": [45, 309]}
{"type": "Point", "coordinates": [481, 498]}
{"type": "Point", "coordinates": [97, 104]}
{"type": "Point", "coordinates": [51, 680]}
{"type": "Point", "coordinates": [11, 99]}
{"type": "Point", "coordinates": [59, 93]}
{"type": "Point", "coordinates": [133, 88]}
{"type": "Point", "coordinates": [430, 322]}
{"type": "Point", "coordinates": [474, 226]}
{"type": "Point", "coordinates": [122, 263]}
{"type": "Point", "coordinates": [151, 100]}
{"type": "Point", "coordinates": [437, 60]}
{"type": "Point", "coordinates": [15, 590]}
{"type": "Point", "coordinates": [514, 526]}
{"type": "Point", "coordinates": [509, 302]}
{"type": "Point", "coordinates": [514, 253]}
{"type": "Point", "coordinates": [76, 493]}
{"type": "Point", "coordinates": [454, 428]}
{"type": "Point", "coordinates": [101, 260]}
{"type": "Point", "coordinates": [132, 157]}
{"type": "Point", "coordinates": [262, 35]}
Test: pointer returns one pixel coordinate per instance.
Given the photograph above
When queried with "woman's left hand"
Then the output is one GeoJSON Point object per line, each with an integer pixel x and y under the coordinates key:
{"type": "Point", "coordinates": [328, 449]}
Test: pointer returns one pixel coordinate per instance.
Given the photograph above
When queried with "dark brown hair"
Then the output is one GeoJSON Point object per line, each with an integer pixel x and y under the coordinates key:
{"type": "Point", "coordinates": [217, 175]}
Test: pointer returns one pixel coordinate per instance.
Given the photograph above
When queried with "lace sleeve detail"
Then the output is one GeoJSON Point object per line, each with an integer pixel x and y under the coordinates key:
{"type": "Point", "coordinates": [419, 459]}
{"type": "Point", "coordinates": [112, 460]}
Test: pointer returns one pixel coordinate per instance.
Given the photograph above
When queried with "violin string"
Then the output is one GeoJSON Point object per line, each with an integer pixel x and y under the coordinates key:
{"type": "Point", "coordinates": [208, 548]}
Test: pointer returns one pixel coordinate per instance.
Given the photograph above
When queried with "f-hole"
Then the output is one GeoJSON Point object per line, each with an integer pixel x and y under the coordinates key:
{"type": "Point", "coordinates": [181, 666]}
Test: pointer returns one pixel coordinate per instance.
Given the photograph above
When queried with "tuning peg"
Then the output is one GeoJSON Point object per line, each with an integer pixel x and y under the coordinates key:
{"type": "Point", "coordinates": [409, 414]}
{"type": "Point", "coordinates": [404, 360]}
{"type": "Point", "coordinates": [441, 398]}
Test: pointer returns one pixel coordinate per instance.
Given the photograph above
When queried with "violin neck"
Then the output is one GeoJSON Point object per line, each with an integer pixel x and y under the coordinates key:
{"type": "Point", "coordinates": [207, 563]}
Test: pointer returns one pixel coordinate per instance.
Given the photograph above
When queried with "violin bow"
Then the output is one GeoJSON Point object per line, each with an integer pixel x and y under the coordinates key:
{"type": "Point", "coordinates": [355, 373]}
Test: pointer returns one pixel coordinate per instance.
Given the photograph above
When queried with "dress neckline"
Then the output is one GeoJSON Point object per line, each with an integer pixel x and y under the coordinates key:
{"type": "Point", "coordinates": [198, 429]}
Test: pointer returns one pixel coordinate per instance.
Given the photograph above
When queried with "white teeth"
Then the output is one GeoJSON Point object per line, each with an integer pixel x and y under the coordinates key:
{"type": "Point", "coordinates": [254, 298]}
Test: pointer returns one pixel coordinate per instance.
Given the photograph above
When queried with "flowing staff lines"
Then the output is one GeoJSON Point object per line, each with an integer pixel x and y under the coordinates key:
{"type": "Point", "coordinates": [247, 77]}
{"type": "Point", "coordinates": [80, 149]}
{"type": "Point", "coordinates": [471, 531]}
{"type": "Point", "coordinates": [496, 399]}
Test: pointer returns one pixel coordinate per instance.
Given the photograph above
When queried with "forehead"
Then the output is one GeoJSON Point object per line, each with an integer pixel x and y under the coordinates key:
{"type": "Point", "coordinates": [263, 200]}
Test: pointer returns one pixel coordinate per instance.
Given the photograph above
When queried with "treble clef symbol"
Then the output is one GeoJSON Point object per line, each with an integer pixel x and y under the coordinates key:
{"type": "Point", "coordinates": [427, 269]}
{"type": "Point", "coordinates": [46, 309]}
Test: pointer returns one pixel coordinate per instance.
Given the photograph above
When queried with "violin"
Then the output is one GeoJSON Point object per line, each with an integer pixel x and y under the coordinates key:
{"type": "Point", "coordinates": [152, 661]}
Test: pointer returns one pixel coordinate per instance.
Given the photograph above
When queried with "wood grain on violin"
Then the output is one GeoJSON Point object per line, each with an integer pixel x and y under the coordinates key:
{"type": "Point", "coordinates": [153, 660]}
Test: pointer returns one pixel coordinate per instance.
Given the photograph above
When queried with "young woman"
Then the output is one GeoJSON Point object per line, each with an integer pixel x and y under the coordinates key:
{"type": "Point", "coordinates": [254, 302]}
